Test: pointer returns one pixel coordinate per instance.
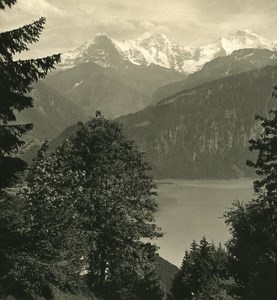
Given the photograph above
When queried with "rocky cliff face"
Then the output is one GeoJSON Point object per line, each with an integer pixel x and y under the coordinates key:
{"type": "Point", "coordinates": [204, 132]}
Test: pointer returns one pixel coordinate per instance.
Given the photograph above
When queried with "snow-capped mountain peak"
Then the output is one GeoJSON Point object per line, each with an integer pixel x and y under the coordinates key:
{"type": "Point", "coordinates": [153, 37]}
{"type": "Point", "coordinates": [154, 48]}
{"type": "Point", "coordinates": [99, 39]}
{"type": "Point", "coordinates": [157, 48]}
{"type": "Point", "coordinates": [245, 39]}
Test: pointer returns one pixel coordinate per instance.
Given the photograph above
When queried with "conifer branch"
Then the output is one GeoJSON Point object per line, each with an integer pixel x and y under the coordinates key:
{"type": "Point", "coordinates": [8, 3]}
{"type": "Point", "coordinates": [15, 41]}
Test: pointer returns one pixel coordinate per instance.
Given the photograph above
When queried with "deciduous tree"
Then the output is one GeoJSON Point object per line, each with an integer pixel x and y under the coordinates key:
{"type": "Point", "coordinates": [118, 205]}
{"type": "Point", "coordinates": [96, 187]}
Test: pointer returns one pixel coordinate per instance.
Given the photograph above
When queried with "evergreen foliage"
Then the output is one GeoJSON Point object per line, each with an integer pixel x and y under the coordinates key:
{"type": "Point", "coordinates": [8, 3]}
{"type": "Point", "coordinates": [253, 225]}
{"type": "Point", "coordinates": [204, 274]}
{"type": "Point", "coordinates": [16, 79]}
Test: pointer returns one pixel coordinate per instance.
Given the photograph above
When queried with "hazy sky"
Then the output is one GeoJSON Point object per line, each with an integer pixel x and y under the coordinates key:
{"type": "Point", "coordinates": [189, 22]}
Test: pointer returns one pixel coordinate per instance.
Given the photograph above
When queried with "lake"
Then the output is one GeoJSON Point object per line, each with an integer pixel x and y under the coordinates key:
{"type": "Point", "coordinates": [191, 209]}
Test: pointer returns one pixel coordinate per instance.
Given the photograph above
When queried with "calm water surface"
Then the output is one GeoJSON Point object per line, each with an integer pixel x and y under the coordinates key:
{"type": "Point", "coordinates": [189, 210]}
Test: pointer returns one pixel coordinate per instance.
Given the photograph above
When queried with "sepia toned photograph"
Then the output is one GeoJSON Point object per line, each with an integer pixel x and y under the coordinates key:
{"type": "Point", "coordinates": [138, 150]}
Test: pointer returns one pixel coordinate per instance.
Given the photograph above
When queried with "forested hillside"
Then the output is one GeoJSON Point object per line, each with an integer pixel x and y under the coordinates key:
{"type": "Point", "coordinates": [204, 132]}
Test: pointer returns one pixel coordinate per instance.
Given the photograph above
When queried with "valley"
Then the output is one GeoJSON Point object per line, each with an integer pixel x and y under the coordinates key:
{"type": "Point", "coordinates": [190, 124]}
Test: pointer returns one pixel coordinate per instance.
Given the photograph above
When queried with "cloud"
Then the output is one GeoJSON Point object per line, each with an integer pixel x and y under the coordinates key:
{"type": "Point", "coordinates": [153, 27]}
{"type": "Point", "coordinates": [26, 11]}
{"type": "Point", "coordinates": [71, 22]}
{"type": "Point", "coordinates": [39, 7]}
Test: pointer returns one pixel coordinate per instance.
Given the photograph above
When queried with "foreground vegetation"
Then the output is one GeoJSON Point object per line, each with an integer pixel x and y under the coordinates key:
{"type": "Point", "coordinates": [82, 220]}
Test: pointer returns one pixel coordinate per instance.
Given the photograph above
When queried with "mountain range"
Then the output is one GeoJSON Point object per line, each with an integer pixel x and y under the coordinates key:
{"type": "Point", "coordinates": [121, 77]}
{"type": "Point", "coordinates": [190, 125]}
{"type": "Point", "coordinates": [155, 48]}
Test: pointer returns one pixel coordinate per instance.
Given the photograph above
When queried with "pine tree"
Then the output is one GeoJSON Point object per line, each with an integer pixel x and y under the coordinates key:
{"type": "Point", "coordinates": [16, 79]}
{"type": "Point", "coordinates": [8, 3]}
{"type": "Point", "coordinates": [266, 164]}
{"type": "Point", "coordinates": [204, 274]}
{"type": "Point", "coordinates": [253, 225]}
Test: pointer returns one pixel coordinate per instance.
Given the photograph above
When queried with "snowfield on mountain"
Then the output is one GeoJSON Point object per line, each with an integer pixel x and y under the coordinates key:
{"type": "Point", "coordinates": [156, 48]}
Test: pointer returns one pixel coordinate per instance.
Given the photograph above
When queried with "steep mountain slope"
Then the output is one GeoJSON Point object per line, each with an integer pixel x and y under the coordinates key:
{"type": "Point", "coordinates": [154, 48]}
{"type": "Point", "coordinates": [145, 79]}
{"type": "Point", "coordinates": [204, 132]}
{"type": "Point", "coordinates": [166, 272]}
{"type": "Point", "coordinates": [239, 61]}
{"type": "Point", "coordinates": [113, 91]}
{"type": "Point", "coordinates": [51, 113]}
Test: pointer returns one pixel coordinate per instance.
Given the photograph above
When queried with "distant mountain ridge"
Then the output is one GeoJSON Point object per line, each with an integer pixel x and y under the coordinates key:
{"type": "Point", "coordinates": [155, 48]}
{"type": "Point", "coordinates": [237, 62]}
